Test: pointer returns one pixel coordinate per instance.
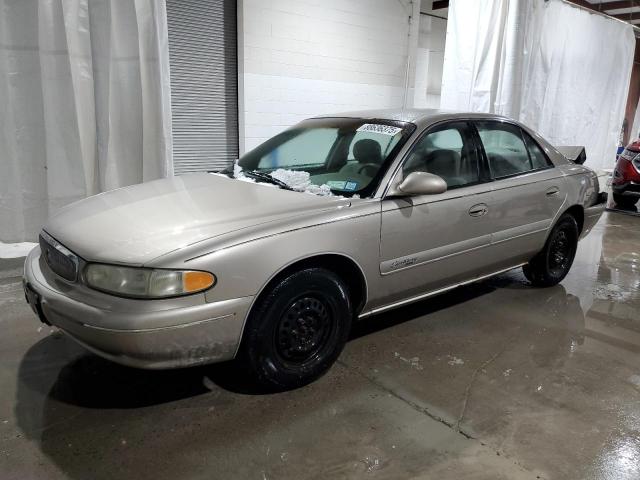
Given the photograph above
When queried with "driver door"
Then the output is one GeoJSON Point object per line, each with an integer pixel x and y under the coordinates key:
{"type": "Point", "coordinates": [432, 241]}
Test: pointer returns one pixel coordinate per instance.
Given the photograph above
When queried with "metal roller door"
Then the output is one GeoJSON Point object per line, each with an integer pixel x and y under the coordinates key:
{"type": "Point", "coordinates": [204, 83]}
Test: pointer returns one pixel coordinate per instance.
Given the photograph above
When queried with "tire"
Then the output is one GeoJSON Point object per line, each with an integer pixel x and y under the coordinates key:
{"type": "Point", "coordinates": [623, 201]}
{"type": "Point", "coordinates": [297, 330]}
{"type": "Point", "coordinates": [551, 265]}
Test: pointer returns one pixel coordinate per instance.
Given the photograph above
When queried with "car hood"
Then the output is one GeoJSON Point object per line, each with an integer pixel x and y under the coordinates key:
{"type": "Point", "coordinates": [134, 225]}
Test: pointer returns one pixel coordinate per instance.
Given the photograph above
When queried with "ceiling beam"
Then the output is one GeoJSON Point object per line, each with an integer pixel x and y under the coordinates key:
{"type": "Point", "coordinates": [605, 7]}
{"type": "Point", "coordinates": [439, 4]}
{"type": "Point", "coordinates": [588, 5]}
{"type": "Point", "coordinates": [620, 4]}
{"type": "Point", "coordinates": [627, 16]}
{"type": "Point", "coordinates": [615, 5]}
{"type": "Point", "coordinates": [585, 4]}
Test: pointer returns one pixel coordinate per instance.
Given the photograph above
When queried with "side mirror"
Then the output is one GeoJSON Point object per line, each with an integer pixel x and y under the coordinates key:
{"type": "Point", "coordinates": [420, 183]}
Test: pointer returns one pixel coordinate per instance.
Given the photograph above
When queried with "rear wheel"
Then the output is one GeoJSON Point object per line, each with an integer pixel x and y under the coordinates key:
{"type": "Point", "coordinates": [298, 329]}
{"type": "Point", "coordinates": [624, 201]}
{"type": "Point", "coordinates": [551, 265]}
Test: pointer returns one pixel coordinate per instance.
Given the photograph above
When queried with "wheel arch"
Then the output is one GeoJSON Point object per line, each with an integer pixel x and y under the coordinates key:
{"type": "Point", "coordinates": [339, 263]}
{"type": "Point", "coordinates": [577, 212]}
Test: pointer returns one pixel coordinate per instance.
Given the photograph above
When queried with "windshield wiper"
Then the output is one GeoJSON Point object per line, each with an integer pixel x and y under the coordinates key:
{"type": "Point", "coordinates": [267, 178]}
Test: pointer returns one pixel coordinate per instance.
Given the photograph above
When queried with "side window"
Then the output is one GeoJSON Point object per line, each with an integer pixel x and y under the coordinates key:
{"type": "Point", "coordinates": [447, 152]}
{"type": "Point", "coordinates": [505, 148]}
{"type": "Point", "coordinates": [310, 147]}
{"type": "Point", "coordinates": [539, 159]}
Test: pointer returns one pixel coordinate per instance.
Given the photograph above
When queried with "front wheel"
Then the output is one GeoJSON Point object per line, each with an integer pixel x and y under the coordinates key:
{"type": "Point", "coordinates": [551, 265]}
{"type": "Point", "coordinates": [297, 330]}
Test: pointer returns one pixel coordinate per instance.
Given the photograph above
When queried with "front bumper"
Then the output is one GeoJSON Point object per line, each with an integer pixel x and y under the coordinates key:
{"type": "Point", "coordinates": [151, 334]}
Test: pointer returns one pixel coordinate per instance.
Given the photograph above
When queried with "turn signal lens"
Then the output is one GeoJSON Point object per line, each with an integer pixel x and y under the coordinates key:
{"type": "Point", "coordinates": [146, 282]}
{"type": "Point", "coordinates": [196, 281]}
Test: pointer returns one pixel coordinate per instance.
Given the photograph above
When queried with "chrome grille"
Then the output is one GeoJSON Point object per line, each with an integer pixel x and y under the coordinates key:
{"type": "Point", "coordinates": [60, 260]}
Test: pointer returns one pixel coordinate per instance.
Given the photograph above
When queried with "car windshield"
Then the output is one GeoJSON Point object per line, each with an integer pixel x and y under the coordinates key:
{"type": "Point", "coordinates": [342, 156]}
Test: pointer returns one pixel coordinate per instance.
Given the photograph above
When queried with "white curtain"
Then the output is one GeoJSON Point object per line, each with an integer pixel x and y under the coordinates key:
{"type": "Point", "coordinates": [558, 68]}
{"type": "Point", "coordinates": [85, 103]}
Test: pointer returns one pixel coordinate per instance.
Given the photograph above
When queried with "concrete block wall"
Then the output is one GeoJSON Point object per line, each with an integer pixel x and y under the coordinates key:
{"type": "Point", "coordinates": [429, 61]}
{"type": "Point", "coordinates": [299, 58]}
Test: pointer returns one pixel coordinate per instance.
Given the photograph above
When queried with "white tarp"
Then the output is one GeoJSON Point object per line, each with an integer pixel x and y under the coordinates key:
{"type": "Point", "coordinates": [558, 68]}
{"type": "Point", "coordinates": [84, 89]}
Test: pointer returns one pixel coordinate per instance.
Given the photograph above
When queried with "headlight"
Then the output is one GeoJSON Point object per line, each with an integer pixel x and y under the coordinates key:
{"type": "Point", "coordinates": [146, 282]}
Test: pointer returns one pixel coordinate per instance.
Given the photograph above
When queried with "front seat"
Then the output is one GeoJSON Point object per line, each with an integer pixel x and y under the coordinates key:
{"type": "Point", "coordinates": [368, 156]}
{"type": "Point", "coordinates": [444, 163]}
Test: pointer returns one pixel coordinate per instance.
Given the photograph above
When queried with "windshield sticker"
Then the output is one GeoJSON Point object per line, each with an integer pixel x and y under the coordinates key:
{"type": "Point", "coordinates": [377, 128]}
{"type": "Point", "coordinates": [350, 185]}
{"type": "Point", "coordinates": [336, 184]}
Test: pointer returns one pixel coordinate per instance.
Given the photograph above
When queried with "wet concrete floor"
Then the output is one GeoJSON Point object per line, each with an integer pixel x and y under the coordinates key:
{"type": "Point", "coordinates": [495, 380]}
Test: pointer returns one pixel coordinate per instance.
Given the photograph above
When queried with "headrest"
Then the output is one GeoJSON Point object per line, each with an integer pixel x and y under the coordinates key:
{"type": "Point", "coordinates": [367, 151]}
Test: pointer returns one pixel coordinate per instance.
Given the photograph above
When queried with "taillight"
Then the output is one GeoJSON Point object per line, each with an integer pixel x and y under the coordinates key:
{"type": "Point", "coordinates": [623, 172]}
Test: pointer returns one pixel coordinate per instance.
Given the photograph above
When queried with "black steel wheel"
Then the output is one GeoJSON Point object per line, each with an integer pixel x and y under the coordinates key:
{"type": "Point", "coordinates": [297, 329]}
{"type": "Point", "coordinates": [304, 329]}
{"type": "Point", "coordinates": [560, 252]}
{"type": "Point", "coordinates": [552, 264]}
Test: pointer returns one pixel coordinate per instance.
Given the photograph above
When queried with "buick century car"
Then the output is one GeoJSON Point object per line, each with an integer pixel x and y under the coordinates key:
{"type": "Point", "coordinates": [335, 219]}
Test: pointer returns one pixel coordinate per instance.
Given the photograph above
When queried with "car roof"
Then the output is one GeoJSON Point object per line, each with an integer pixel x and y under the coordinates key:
{"type": "Point", "coordinates": [418, 116]}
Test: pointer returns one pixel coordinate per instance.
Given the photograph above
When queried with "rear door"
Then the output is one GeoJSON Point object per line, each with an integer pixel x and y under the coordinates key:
{"type": "Point", "coordinates": [528, 191]}
{"type": "Point", "coordinates": [432, 241]}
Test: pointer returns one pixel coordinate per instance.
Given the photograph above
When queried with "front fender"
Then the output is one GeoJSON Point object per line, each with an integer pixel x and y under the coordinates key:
{"type": "Point", "coordinates": [246, 266]}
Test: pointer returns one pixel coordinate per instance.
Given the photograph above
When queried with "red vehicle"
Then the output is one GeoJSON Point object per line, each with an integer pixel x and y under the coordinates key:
{"type": "Point", "coordinates": [626, 177]}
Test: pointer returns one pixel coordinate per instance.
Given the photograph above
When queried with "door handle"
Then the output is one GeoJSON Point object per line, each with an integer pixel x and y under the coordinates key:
{"type": "Point", "coordinates": [478, 210]}
{"type": "Point", "coordinates": [553, 191]}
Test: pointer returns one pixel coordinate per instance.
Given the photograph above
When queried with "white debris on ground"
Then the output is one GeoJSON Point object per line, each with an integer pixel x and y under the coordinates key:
{"type": "Point", "coordinates": [414, 361]}
{"type": "Point", "coordinates": [612, 292]}
{"type": "Point", "coordinates": [371, 463]}
{"type": "Point", "coordinates": [635, 380]}
{"type": "Point", "coordinates": [455, 360]}
{"type": "Point", "coordinates": [507, 372]}
{"type": "Point", "coordinates": [16, 250]}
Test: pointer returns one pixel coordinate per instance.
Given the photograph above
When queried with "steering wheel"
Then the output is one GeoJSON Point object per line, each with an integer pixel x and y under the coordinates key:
{"type": "Point", "coordinates": [374, 166]}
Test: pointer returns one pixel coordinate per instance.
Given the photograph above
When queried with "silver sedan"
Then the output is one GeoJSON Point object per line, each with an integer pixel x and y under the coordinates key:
{"type": "Point", "coordinates": [335, 219]}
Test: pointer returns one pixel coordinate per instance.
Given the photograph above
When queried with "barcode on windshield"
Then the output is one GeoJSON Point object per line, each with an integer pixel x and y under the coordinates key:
{"type": "Point", "coordinates": [377, 128]}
